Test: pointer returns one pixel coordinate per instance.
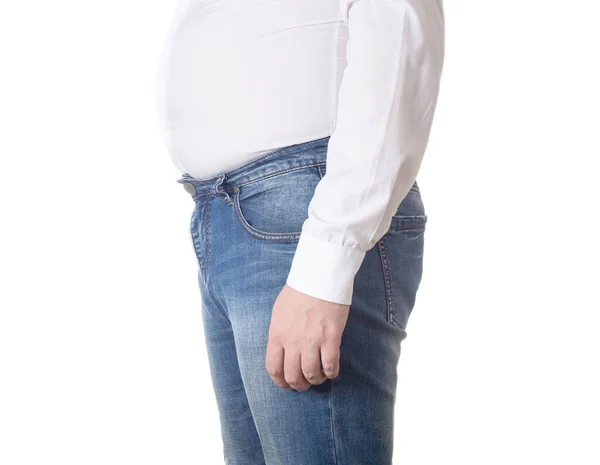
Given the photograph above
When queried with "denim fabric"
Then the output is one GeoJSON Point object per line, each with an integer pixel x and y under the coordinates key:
{"type": "Point", "coordinates": [244, 227]}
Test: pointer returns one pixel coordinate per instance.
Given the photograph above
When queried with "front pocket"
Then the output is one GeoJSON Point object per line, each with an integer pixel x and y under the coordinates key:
{"type": "Point", "coordinates": [276, 206]}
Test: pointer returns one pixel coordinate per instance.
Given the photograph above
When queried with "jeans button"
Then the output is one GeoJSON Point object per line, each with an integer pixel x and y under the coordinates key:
{"type": "Point", "coordinates": [189, 188]}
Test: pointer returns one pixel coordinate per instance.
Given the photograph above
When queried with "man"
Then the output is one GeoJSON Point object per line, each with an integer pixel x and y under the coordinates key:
{"type": "Point", "coordinates": [299, 127]}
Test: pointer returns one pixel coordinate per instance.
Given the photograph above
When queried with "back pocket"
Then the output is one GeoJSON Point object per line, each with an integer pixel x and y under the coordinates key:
{"type": "Point", "coordinates": [275, 207]}
{"type": "Point", "coordinates": [401, 250]}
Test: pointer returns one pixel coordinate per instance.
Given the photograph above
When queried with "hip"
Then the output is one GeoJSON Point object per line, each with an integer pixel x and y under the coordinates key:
{"type": "Point", "coordinates": [246, 224]}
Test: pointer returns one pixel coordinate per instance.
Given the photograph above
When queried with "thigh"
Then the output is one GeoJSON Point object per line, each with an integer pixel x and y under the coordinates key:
{"type": "Point", "coordinates": [241, 444]}
{"type": "Point", "coordinates": [348, 420]}
{"type": "Point", "coordinates": [294, 427]}
{"type": "Point", "coordinates": [249, 267]}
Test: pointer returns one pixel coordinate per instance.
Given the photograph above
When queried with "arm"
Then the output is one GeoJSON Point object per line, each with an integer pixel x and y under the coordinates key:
{"type": "Point", "coordinates": [387, 98]}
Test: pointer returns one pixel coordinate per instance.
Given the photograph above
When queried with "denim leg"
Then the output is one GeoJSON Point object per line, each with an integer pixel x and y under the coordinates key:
{"type": "Point", "coordinates": [245, 230]}
{"type": "Point", "coordinates": [241, 444]}
{"type": "Point", "coordinates": [344, 421]}
{"type": "Point", "coordinates": [295, 427]}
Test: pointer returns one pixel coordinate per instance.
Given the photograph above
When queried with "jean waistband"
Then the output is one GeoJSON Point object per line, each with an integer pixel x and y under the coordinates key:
{"type": "Point", "coordinates": [313, 152]}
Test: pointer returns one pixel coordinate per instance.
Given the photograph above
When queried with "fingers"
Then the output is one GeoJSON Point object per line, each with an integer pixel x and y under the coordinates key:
{"type": "Point", "coordinates": [311, 365]}
{"type": "Point", "coordinates": [293, 370]}
{"type": "Point", "coordinates": [274, 365]}
{"type": "Point", "coordinates": [330, 357]}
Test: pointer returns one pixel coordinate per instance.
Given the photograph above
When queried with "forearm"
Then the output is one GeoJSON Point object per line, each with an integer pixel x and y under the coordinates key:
{"type": "Point", "coordinates": [387, 99]}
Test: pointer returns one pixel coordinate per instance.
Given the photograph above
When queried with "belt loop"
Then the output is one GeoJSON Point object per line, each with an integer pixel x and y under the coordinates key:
{"type": "Point", "coordinates": [215, 189]}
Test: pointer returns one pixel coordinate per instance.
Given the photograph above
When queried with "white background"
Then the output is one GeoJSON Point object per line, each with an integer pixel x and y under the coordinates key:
{"type": "Point", "coordinates": [101, 349]}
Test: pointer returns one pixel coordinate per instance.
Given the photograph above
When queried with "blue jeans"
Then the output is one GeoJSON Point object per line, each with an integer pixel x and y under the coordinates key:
{"type": "Point", "coordinates": [244, 227]}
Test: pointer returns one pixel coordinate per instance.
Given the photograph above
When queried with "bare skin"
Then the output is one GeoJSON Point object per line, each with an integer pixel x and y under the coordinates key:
{"type": "Point", "coordinates": [305, 333]}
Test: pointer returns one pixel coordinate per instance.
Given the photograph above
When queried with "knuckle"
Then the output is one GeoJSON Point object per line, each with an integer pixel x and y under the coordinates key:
{"type": "Point", "coordinates": [275, 339]}
{"type": "Point", "coordinates": [329, 365]}
{"type": "Point", "coordinates": [302, 386]}
{"type": "Point", "coordinates": [312, 340]}
{"type": "Point", "coordinates": [279, 381]}
{"type": "Point", "coordinates": [331, 370]}
{"type": "Point", "coordinates": [311, 376]}
{"type": "Point", "coordinates": [292, 380]}
{"type": "Point", "coordinates": [318, 380]}
{"type": "Point", "coordinates": [274, 372]}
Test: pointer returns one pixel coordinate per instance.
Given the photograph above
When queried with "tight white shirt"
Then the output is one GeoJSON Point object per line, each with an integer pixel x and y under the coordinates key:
{"type": "Point", "coordinates": [241, 78]}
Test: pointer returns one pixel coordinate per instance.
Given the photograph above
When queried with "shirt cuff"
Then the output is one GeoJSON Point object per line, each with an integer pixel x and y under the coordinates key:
{"type": "Point", "coordinates": [324, 269]}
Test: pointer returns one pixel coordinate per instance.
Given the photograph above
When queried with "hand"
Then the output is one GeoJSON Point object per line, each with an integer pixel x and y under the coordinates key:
{"type": "Point", "coordinates": [304, 333]}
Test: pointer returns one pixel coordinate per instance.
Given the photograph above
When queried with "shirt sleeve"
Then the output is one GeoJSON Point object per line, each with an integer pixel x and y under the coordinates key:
{"type": "Point", "coordinates": [386, 101]}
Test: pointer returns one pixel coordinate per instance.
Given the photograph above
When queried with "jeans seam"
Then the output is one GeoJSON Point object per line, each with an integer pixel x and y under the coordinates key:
{"type": "Point", "coordinates": [396, 227]}
{"type": "Point", "coordinates": [321, 174]}
{"type": "Point", "coordinates": [335, 459]}
{"type": "Point", "coordinates": [266, 176]}
{"type": "Point", "coordinates": [195, 224]}
{"type": "Point", "coordinates": [387, 281]}
{"type": "Point", "coordinates": [207, 240]}
{"type": "Point", "coordinates": [276, 173]}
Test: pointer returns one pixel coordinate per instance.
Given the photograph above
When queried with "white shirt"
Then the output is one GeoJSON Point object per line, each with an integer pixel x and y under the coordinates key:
{"type": "Point", "coordinates": [241, 78]}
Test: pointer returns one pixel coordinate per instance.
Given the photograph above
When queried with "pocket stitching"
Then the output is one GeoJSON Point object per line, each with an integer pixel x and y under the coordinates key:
{"type": "Point", "coordinates": [408, 222]}
{"type": "Point", "coordinates": [321, 173]}
{"type": "Point", "coordinates": [264, 235]}
{"type": "Point", "coordinates": [257, 233]}
{"type": "Point", "coordinates": [194, 223]}
{"type": "Point", "coordinates": [277, 173]}
{"type": "Point", "coordinates": [387, 282]}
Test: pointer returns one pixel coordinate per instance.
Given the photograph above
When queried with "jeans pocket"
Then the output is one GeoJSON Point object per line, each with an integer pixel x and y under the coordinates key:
{"type": "Point", "coordinates": [401, 251]}
{"type": "Point", "coordinates": [276, 206]}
